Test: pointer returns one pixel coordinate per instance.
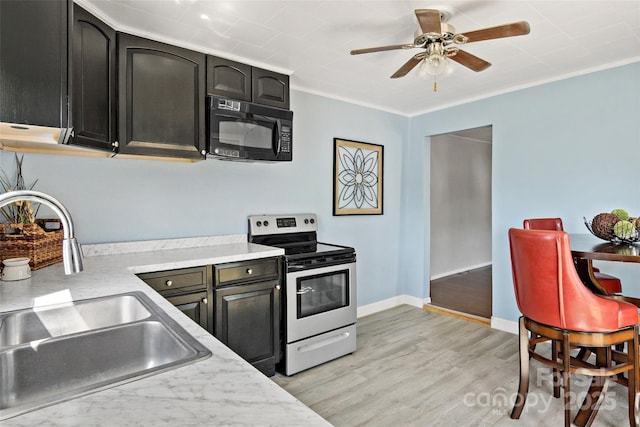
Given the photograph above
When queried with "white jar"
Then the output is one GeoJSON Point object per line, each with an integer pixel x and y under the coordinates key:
{"type": "Point", "coordinates": [16, 269]}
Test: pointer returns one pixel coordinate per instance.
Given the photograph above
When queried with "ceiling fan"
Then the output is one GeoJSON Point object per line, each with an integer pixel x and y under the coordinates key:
{"type": "Point", "coordinates": [436, 37]}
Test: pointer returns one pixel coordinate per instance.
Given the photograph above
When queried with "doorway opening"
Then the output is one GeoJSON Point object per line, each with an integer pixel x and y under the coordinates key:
{"type": "Point", "coordinates": [460, 200]}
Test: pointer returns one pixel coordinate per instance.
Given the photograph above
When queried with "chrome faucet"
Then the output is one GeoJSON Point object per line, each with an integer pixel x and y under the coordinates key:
{"type": "Point", "coordinates": [71, 253]}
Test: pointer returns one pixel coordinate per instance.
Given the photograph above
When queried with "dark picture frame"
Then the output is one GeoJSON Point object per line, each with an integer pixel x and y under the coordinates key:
{"type": "Point", "coordinates": [357, 177]}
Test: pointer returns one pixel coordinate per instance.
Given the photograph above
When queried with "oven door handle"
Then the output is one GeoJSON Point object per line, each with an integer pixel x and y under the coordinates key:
{"type": "Point", "coordinates": [296, 267]}
{"type": "Point", "coordinates": [305, 290]}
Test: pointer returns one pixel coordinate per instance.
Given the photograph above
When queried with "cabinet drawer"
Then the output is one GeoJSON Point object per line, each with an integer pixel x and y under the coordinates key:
{"type": "Point", "coordinates": [254, 270]}
{"type": "Point", "coordinates": [177, 281]}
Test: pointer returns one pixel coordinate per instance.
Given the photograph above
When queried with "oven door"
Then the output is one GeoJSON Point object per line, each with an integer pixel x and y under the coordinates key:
{"type": "Point", "coordinates": [319, 300]}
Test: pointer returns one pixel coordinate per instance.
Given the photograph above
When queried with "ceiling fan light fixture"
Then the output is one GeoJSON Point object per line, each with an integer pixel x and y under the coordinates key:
{"type": "Point", "coordinates": [435, 62]}
{"type": "Point", "coordinates": [434, 65]}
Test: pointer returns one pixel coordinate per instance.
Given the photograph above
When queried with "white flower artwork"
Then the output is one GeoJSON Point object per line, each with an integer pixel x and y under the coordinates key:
{"type": "Point", "coordinates": [357, 178]}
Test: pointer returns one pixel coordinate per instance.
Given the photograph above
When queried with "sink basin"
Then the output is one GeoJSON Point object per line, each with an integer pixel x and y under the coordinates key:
{"type": "Point", "coordinates": [55, 320]}
{"type": "Point", "coordinates": [85, 347]}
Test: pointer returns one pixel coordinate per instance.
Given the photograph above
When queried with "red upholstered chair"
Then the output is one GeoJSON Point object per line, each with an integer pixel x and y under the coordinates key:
{"type": "Point", "coordinates": [611, 284]}
{"type": "Point", "coordinates": [558, 308]}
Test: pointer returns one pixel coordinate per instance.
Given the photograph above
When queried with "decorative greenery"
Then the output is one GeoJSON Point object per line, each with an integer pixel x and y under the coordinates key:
{"type": "Point", "coordinates": [20, 212]}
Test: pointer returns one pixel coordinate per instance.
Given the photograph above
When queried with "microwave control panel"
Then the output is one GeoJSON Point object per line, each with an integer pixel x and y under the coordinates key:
{"type": "Point", "coordinates": [285, 139]}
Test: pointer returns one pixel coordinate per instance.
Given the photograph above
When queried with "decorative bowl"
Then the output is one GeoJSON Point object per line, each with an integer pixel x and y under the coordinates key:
{"type": "Point", "coordinates": [612, 237]}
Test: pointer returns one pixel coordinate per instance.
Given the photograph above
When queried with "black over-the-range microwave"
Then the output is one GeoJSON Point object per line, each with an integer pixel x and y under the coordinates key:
{"type": "Point", "coordinates": [239, 130]}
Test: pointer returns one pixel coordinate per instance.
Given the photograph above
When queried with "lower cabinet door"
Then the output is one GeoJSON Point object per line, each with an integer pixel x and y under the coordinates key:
{"type": "Point", "coordinates": [247, 320]}
{"type": "Point", "coordinates": [196, 306]}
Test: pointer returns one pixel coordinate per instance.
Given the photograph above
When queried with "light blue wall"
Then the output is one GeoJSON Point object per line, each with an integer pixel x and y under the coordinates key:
{"type": "Point", "coordinates": [122, 200]}
{"type": "Point", "coordinates": [568, 148]}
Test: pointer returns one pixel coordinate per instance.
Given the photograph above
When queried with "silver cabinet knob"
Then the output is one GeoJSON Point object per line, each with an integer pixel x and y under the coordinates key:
{"type": "Point", "coordinates": [278, 287]}
{"type": "Point", "coordinates": [203, 152]}
{"type": "Point", "coordinates": [204, 301]}
{"type": "Point", "coordinates": [168, 283]}
{"type": "Point", "coordinates": [249, 271]}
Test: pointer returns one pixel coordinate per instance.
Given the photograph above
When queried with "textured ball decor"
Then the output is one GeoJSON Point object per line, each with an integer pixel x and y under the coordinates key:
{"type": "Point", "coordinates": [624, 230]}
{"type": "Point", "coordinates": [617, 226]}
{"type": "Point", "coordinates": [621, 214]}
{"type": "Point", "coordinates": [602, 225]}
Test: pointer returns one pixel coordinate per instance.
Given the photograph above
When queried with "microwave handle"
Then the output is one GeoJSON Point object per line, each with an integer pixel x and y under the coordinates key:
{"type": "Point", "coordinates": [277, 137]}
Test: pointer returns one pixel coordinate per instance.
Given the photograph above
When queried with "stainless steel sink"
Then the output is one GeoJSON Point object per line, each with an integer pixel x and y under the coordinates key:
{"type": "Point", "coordinates": [84, 347]}
{"type": "Point", "coordinates": [55, 320]}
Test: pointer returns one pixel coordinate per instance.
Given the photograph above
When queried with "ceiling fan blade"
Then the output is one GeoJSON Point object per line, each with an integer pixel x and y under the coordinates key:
{"type": "Point", "coordinates": [382, 48]}
{"type": "Point", "coordinates": [408, 66]}
{"type": "Point", "coordinates": [429, 20]}
{"type": "Point", "coordinates": [509, 30]}
{"type": "Point", "coordinates": [470, 61]}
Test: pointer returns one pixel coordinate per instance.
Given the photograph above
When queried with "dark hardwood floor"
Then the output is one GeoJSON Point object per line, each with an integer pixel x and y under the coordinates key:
{"type": "Point", "coordinates": [468, 292]}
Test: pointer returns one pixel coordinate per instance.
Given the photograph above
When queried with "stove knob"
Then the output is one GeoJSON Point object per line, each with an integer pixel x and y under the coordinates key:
{"type": "Point", "coordinates": [259, 223]}
{"type": "Point", "coordinates": [312, 220]}
{"type": "Point", "coordinates": [266, 223]}
{"type": "Point", "coordinates": [306, 220]}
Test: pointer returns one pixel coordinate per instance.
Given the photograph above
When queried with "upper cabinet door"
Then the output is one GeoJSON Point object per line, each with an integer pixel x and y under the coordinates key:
{"type": "Point", "coordinates": [228, 79]}
{"type": "Point", "coordinates": [161, 99]}
{"type": "Point", "coordinates": [94, 81]}
{"type": "Point", "coordinates": [34, 62]}
{"type": "Point", "coordinates": [270, 88]}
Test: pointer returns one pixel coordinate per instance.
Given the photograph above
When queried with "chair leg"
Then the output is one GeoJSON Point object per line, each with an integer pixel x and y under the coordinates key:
{"type": "Point", "coordinates": [633, 381]}
{"type": "Point", "coordinates": [584, 354]}
{"type": "Point", "coordinates": [523, 388]}
{"type": "Point", "coordinates": [555, 356]}
{"type": "Point", "coordinates": [566, 383]}
{"type": "Point", "coordinates": [592, 402]}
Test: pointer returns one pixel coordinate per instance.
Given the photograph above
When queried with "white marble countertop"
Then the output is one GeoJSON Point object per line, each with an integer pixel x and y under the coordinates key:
{"type": "Point", "coordinates": [220, 390]}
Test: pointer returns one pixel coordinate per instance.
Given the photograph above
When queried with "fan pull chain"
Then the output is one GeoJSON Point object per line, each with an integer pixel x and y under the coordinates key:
{"type": "Point", "coordinates": [435, 84]}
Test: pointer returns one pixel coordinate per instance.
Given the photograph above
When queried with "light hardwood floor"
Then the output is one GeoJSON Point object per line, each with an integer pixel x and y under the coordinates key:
{"type": "Point", "coordinates": [418, 368]}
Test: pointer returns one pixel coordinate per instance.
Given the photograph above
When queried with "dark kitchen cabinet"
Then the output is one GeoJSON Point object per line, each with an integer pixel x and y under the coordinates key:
{"type": "Point", "coordinates": [94, 81]}
{"type": "Point", "coordinates": [160, 99]}
{"type": "Point", "coordinates": [242, 82]}
{"type": "Point", "coordinates": [34, 64]}
{"type": "Point", "coordinates": [196, 306]}
{"type": "Point", "coordinates": [270, 88]}
{"type": "Point", "coordinates": [229, 79]}
{"type": "Point", "coordinates": [247, 310]}
{"type": "Point", "coordinates": [189, 289]}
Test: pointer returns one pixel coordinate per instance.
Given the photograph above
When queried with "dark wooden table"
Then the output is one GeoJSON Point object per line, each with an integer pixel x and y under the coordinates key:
{"type": "Point", "coordinates": [586, 248]}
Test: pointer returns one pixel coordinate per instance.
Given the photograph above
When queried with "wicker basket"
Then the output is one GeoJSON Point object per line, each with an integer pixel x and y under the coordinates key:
{"type": "Point", "coordinates": [42, 242]}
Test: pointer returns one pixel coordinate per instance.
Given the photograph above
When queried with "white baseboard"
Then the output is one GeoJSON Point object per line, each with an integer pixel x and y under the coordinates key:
{"type": "Point", "coordinates": [504, 325]}
{"type": "Point", "coordinates": [460, 270]}
{"type": "Point", "coordinates": [375, 307]}
{"type": "Point", "coordinates": [365, 310]}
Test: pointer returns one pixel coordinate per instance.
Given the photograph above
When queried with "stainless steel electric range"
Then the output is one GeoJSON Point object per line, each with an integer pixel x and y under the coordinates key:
{"type": "Point", "coordinates": [319, 307]}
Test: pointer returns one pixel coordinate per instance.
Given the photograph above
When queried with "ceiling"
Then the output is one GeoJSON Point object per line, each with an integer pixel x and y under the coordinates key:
{"type": "Point", "coordinates": [311, 40]}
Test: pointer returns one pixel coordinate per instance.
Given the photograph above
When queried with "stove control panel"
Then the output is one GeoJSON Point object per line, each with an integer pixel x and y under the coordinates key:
{"type": "Point", "coordinates": [260, 225]}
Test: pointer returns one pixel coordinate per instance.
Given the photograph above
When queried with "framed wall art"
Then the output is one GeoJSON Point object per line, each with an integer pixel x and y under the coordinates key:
{"type": "Point", "coordinates": [357, 178]}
